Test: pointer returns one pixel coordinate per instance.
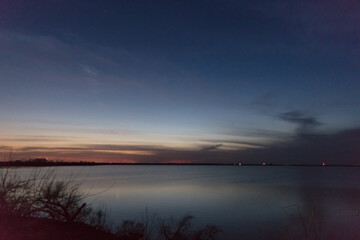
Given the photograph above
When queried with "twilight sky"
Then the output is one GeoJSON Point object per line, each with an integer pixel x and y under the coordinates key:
{"type": "Point", "coordinates": [180, 81]}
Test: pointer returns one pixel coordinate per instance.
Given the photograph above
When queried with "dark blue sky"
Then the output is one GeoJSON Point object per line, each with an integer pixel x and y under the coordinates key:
{"type": "Point", "coordinates": [199, 81]}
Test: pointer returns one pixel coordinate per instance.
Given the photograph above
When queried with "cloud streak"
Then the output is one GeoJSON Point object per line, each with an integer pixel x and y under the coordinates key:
{"type": "Point", "coordinates": [305, 123]}
{"type": "Point", "coordinates": [306, 148]}
{"type": "Point", "coordinates": [213, 147]}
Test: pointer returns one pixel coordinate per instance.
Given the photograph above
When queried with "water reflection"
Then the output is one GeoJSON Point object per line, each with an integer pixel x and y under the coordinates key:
{"type": "Point", "coordinates": [249, 202]}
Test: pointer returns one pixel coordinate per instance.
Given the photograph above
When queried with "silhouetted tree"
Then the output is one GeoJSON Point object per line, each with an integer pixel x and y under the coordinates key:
{"type": "Point", "coordinates": [62, 201]}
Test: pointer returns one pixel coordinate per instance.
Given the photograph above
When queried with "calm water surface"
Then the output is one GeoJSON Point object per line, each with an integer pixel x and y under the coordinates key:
{"type": "Point", "coordinates": [250, 202]}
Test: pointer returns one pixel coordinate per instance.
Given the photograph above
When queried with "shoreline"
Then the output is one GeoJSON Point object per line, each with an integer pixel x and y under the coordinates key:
{"type": "Point", "coordinates": [64, 164]}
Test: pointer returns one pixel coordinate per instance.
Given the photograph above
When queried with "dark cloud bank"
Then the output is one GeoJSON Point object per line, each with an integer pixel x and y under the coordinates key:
{"type": "Point", "coordinates": [310, 148]}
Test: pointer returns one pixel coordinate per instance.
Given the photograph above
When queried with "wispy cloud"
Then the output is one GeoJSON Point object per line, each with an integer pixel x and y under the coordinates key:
{"type": "Point", "coordinates": [240, 144]}
{"type": "Point", "coordinates": [49, 59]}
{"type": "Point", "coordinates": [89, 70]}
{"type": "Point", "coordinates": [35, 139]}
{"type": "Point", "coordinates": [305, 123]}
{"type": "Point", "coordinates": [213, 147]}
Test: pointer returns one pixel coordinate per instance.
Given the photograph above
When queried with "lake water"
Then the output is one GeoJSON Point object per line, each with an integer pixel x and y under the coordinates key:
{"type": "Point", "coordinates": [246, 202]}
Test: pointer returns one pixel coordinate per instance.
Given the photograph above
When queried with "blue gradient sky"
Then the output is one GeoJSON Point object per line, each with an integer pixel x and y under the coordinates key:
{"type": "Point", "coordinates": [182, 81]}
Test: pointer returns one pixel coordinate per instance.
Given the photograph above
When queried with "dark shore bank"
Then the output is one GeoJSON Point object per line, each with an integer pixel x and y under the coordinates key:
{"type": "Point", "coordinates": [22, 228]}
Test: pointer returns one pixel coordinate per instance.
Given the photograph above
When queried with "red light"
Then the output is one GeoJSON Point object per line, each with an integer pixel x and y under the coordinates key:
{"type": "Point", "coordinates": [323, 163]}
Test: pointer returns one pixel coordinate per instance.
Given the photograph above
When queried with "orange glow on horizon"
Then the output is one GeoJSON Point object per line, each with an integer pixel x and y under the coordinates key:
{"type": "Point", "coordinates": [178, 161]}
{"type": "Point", "coordinates": [126, 161]}
{"type": "Point", "coordinates": [130, 152]}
